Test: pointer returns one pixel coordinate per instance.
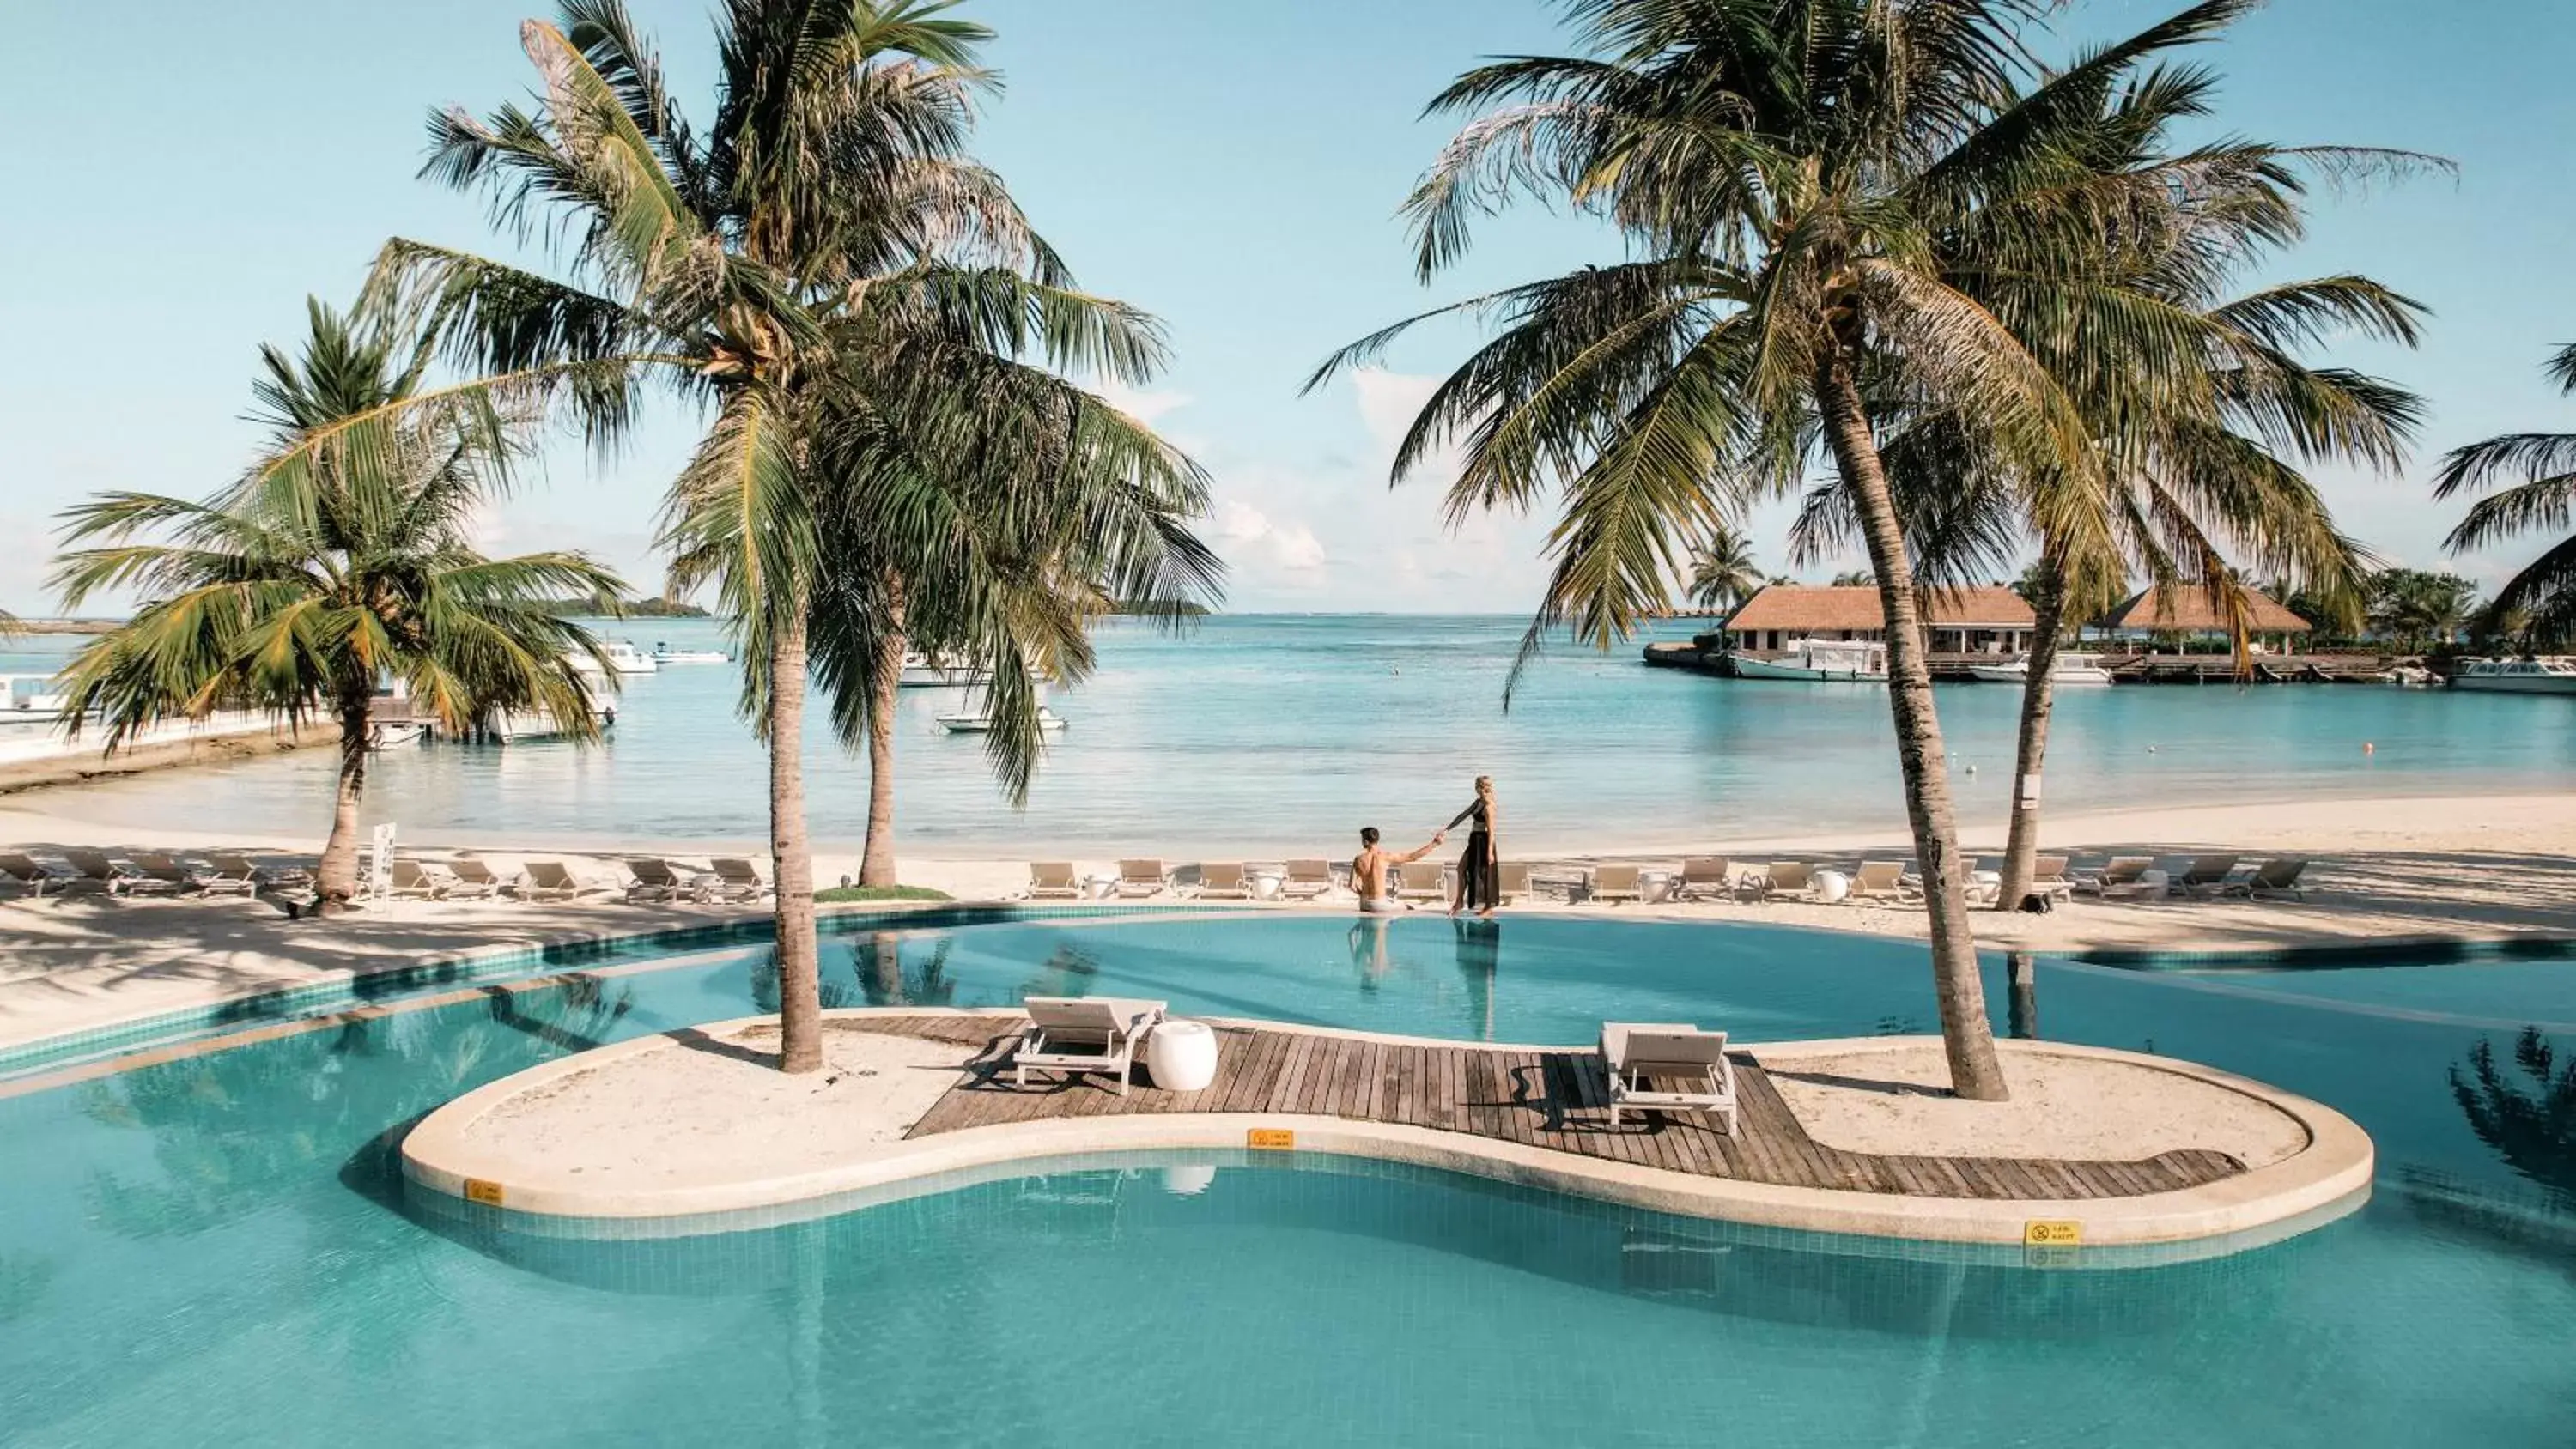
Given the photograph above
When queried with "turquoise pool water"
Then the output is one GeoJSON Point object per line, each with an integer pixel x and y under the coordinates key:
{"type": "Point", "coordinates": [218, 1250]}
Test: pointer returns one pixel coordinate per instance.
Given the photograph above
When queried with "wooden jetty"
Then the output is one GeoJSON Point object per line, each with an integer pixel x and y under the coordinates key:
{"type": "Point", "coordinates": [1549, 1098]}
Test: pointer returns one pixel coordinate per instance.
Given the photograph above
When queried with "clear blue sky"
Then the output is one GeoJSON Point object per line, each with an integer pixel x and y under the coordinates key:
{"type": "Point", "coordinates": [185, 176]}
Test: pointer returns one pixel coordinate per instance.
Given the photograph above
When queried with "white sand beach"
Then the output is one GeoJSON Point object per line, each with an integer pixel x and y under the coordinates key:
{"type": "Point", "coordinates": [2431, 869]}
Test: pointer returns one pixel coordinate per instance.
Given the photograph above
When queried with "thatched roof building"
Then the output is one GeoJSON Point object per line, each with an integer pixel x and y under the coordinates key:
{"type": "Point", "coordinates": [1984, 620]}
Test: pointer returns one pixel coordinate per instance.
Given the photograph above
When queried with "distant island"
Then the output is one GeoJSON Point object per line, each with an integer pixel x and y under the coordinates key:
{"type": "Point", "coordinates": [624, 609]}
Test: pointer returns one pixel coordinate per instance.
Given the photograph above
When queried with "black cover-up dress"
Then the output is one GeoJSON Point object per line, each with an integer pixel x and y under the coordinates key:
{"type": "Point", "coordinates": [1477, 872]}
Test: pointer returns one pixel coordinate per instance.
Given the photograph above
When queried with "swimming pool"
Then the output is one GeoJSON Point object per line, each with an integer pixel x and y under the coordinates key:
{"type": "Point", "coordinates": [218, 1247]}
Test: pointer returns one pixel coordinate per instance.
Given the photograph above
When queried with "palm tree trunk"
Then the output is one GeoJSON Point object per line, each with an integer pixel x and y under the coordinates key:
{"type": "Point", "coordinates": [2038, 697]}
{"type": "Point", "coordinates": [791, 861]}
{"type": "Point", "coordinates": [876, 862]}
{"type": "Point", "coordinates": [1966, 1035]}
{"type": "Point", "coordinates": [337, 872]}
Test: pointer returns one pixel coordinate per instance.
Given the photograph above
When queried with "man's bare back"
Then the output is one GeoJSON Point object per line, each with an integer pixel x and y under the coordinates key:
{"type": "Point", "coordinates": [1369, 868]}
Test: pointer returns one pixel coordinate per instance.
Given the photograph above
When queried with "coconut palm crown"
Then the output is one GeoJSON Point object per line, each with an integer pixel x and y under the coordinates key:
{"type": "Point", "coordinates": [308, 583]}
{"type": "Point", "coordinates": [2543, 593]}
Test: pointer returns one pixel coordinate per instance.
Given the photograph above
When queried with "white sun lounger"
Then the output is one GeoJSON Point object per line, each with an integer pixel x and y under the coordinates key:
{"type": "Point", "coordinates": [1053, 880]}
{"type": "Point", "coordinates": [1077, 1034]}
{"type": "Point", "coordinates": [2206, 876]}
{"type": "Point", "coordinates": [1667, 1066]}
{"type": "Point", "coordinates": [166, 869]}
{"type": "Point", "coordinates": [23, 869]}
{"type": "Point", "coordinates": [95, 868]}
{"type": "Point", "coordinates": [473, 879]}
{"type": "Point", "coordinates": [1612, 884]}
{"type": "Point", "coordinates": [2048, 877]}
{"type": "Point", "coordinates": [1704, 876]}
{"type": "Point", "coordinates": [1513, 881]}
{"type": "Point", "coordinates": [655, 880]}
{"type": "Point", "coordinates": [2120, 877]}
{"type": "Point", "coordinates": [1422, 880]}
{"type": "Point", "coordinates": [1308, 879]}
{"type": "Point", "coordinates": [1142, 878]}
{"type": "Point", "coordinates": [232, 874]}
{"type": "Point", "coordinates": [2278, 877]}
{"type": "Point", "coordinates": [1224, 880]}
{"type": "Point", "coordinates": [414, 881]}
{"type": "Point", "coordinates": [1881, 880]}
{"type": "Point", "coordinates": [1787, 878]}
{"type": "Point", "coordinates": [549, 880]}
{"type": "Point", "coordinates": [736, 879]}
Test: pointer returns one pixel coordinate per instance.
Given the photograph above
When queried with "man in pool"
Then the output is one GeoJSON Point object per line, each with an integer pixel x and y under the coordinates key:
{"type": "Point", "coordinates": [1370, 866]}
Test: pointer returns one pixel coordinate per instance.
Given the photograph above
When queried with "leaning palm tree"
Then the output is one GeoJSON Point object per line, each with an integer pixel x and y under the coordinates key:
{"type": "Point", "coordinates": [1812, 191]}
{"type": "Point", "coordinates": [769, 269]}
{"type": "Point", "coordinates": [329, 568]}
{"type": "Point", "coordinates": [2204, 465]}
{"type": "Point", "coordinates": [2544, 592]}
{"type": "Point", "coordinates": [1723, 573]}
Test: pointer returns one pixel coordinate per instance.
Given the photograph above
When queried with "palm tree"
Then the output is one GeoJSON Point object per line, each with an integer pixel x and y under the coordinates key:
{"type": "Point", "coordinates": [329, 567]}
{"type": "Point", "coordinates": [2421, 610]}
{"type": "Point", "coordinates": [1723, 573]}
{"type": "Point", "coordinates": [2194, 460]}
{"type": "Point", "coordinates": [2544, 593]}
{"type": "Point", "coordinates": [1811, 191]}
{"type": "Point", "coordinates": [827, 273]}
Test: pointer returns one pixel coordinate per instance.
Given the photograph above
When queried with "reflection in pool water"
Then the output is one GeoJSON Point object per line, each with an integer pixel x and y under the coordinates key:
{"type": "Point", "coordinates": [217, 1248]}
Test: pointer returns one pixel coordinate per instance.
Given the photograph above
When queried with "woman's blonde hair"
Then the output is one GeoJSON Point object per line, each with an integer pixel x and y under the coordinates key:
{"type": "Point", "coordinates": [1484, 784]}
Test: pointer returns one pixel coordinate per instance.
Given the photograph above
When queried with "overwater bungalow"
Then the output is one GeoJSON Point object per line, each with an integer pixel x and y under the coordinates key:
{"type": "Point", "coordinates": [1973, 621]}
{"type": "Point", "coordinates": [2183, 618]}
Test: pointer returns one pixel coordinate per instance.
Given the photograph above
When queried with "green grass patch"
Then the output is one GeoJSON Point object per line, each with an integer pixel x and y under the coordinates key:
{"type": "Point", "coordinates": [838, 895]}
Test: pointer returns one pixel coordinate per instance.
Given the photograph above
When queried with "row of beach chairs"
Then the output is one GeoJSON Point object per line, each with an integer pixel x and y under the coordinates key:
{"type": "Point", "coordinates": [144, 873]}
{"type": "Point", "coordinates": [1650, 1066]}
{"type": "Point", "coordinates": [218, 873]}
{"type": "Point", "coordinates": [649, 878]}
{"type": "Point", "coordinates": [1699, 878]}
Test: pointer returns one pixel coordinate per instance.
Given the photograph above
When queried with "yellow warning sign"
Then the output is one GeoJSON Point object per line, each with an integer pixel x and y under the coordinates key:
{"type": "Point", "coordinates": [478, 1190]}
{"type": "Point", "coordinates": [1274, 1139]}
{"type": "Point", "coordinates": [2051, 1233]}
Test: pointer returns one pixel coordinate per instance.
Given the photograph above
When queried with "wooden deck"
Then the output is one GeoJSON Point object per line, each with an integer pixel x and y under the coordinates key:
{"type": "Point", "coordinates": [1551, 1099]}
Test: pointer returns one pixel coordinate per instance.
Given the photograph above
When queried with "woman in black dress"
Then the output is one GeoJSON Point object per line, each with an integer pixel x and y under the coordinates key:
{"type": "Point", "coordinates": [1480, 867]}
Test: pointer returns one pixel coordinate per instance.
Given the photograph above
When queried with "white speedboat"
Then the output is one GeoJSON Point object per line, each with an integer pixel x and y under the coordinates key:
{"type": "Point", "coordinates": [982, 723]}
{"type": "Point", "coordinates": [1828, 661]}
{"type": "Point", "coordinates": [623, 658]}
{"type": "Point", "coordinates": [665, 656]}
{"type": "Point", "coordinates": [932, 671]}
{"type": "Point", "coordinates": [2541, 674]}
{"type": "Point", "coordinates": [2066, 669]}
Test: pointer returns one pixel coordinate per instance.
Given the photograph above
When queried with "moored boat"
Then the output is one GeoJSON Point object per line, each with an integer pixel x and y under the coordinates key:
{"type": "Point", "coordinates": [932, 671]}
{"type": "Point", "coordinates": [665, 655]}
{"type": "Point", "coordinates": [981, 722]}
{"type": "Point", "coordinates": [623, 658]}
{"type": "Point", "coordinates": [2068, 668]}
{"type": "Point", "coordinates": [1820, 661]}
{"type": "Point", "coordinates": [2540, 674]}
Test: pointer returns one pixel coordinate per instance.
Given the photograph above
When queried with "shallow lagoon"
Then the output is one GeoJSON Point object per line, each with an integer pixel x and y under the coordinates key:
{"type": "Point", "coordinates": [1283, 734]}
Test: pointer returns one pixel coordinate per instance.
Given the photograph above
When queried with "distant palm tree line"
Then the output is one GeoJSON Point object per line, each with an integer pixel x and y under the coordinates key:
{"type": "Point", "coordinates": [1989, 300]}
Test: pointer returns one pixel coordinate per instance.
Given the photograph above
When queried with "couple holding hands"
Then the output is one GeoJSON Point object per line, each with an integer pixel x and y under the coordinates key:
{"type": "Point", "coordinates": [1479, 867]}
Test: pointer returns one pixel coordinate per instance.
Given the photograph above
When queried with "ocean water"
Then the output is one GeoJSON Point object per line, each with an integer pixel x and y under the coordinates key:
{"type": "Point", "coordinates": [1284, 734]}
{"type": "Point", "coordinates": [218, 1249]}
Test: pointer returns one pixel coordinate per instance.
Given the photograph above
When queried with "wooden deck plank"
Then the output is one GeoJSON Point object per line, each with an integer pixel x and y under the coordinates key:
{"type": "Point", "coordinates": [1550, 1099]}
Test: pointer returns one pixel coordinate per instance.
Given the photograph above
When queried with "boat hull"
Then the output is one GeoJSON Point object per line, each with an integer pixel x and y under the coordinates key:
{"type": "Point", "coordinates": [1772, 669]}
{"type": "Point", "coordinates": [2515, 683]}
